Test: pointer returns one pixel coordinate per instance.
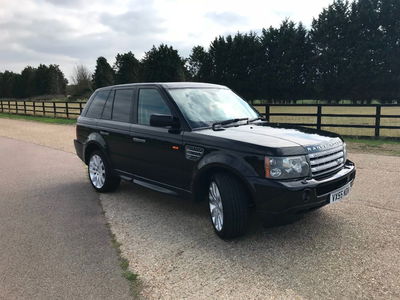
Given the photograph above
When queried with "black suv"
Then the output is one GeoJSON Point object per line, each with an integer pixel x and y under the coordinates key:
{"type": "Point", "coordinates": [204, 141]}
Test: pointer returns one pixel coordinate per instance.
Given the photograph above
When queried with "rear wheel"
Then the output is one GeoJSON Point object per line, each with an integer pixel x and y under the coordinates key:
{"type": "Point", "coordinates": [228, 203]}
{"type": "Point", "coordinates": [100, 173]}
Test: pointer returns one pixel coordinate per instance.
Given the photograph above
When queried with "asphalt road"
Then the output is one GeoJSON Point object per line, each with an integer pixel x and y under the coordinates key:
{"type": "Point", "coordinates": [54, 242]}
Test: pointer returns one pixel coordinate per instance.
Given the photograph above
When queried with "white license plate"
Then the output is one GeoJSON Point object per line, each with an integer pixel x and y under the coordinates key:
{"type": "Point", "coordinates": [339, 194]}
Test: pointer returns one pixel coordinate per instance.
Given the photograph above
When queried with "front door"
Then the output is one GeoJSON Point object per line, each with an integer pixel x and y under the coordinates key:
{"type": "Point", "coordinates": [158, 153]}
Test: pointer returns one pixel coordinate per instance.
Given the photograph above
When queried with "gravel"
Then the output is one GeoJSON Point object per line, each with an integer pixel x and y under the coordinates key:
{"type": "Point", "coordinates": [350, 249]}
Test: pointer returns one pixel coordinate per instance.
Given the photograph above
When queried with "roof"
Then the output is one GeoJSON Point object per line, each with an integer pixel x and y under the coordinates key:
{"type": "Point", "coordinates": [171, 85]}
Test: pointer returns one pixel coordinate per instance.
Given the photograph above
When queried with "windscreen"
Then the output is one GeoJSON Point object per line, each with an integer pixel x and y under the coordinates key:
{"type": "Point", "coordinates": [203, 107]}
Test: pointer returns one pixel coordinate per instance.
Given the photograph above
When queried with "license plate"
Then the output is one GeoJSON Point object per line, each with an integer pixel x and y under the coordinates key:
{"type": "Point", "coordinates": [339, 194]}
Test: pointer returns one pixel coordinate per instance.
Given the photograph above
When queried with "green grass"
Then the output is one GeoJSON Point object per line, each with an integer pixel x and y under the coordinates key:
{"type": "Point", "coordinates": [124, 264]}
{"type": "Point", "coordinates": [375, 146]}
{"type": "Point", "coordinates": [39, 119]}
{"type": "Point", "coordinates": [373, 142]}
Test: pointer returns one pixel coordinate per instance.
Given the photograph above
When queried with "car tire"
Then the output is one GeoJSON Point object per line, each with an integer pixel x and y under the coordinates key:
{"type": "Point", "coordinates": [100, 173]}
{"type": "Point", "coordinates": [228, 204]}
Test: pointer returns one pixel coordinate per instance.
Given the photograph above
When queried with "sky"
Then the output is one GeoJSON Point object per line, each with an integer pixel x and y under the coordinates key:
{"type": "Point", "coordinates": [74, 32]}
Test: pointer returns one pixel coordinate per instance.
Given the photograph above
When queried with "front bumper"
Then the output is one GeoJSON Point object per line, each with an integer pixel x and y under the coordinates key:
{"type": "Point", "coordinates": [280, 197]}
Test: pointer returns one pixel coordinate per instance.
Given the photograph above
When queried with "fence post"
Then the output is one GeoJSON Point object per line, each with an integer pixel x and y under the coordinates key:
{"type": "Point", "coordinates": [66, 109]}
{"type": "Point", "coordinates": [34, 108]}
{"type": "Point", "coordinates": [1, 102]}
{"type": "Point", "coordinates": [80, 107]}
{"type": "Point", "coordinates": [9, 107]}
{"type": "Point", "coordinates": [24, 108]}
{"type": "Point", "coordinates": [319, 112]}
{"type": "Point", "coordinates": [16, 106]}
{"type": "Point", "coordinates": [377, 120]}
{"type": "Point", "coordinates": [267, 112]}
{"type": "Point", "coordinates": [44, 112]}
{"type": "Point", "coordinates": [54, 110]}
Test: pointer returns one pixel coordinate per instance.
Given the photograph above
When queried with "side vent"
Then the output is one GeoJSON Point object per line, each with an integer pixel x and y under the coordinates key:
{"type": "Point", "coordinates": [193, 152]}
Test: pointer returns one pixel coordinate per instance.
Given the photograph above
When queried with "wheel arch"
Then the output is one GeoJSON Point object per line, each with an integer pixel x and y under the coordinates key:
{"type": "Point", "coordinates": [94, 142]}
{"type": "Point", "coordinates": [204, 175]}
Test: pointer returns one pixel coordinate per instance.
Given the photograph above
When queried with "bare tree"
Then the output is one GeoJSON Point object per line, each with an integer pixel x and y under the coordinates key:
{"type": "Point", "coordinates": [81, 81]}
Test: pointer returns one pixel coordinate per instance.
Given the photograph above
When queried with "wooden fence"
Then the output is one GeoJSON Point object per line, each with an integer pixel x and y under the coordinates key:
{"type": "Point", "coordinates": [347, 119]}
{"type": "Point", "coordinates": [54, 109]}
{"type": "Point", "coordinates": [338, 117]}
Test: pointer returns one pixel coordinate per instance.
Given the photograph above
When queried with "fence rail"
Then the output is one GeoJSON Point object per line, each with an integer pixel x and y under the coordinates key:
{"type": "Point", "coordinates": [69, 110]}
{"type": "Point", "coordinates": [371, 116]}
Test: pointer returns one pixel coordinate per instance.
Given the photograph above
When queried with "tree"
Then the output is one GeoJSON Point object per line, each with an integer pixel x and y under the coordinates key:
{"type": "Point", "coordinates": [162, 64]}
{"type": "Point", "coordinates": [389, 21]}
{"type": "Point", "coordinates": [199, 65]}
{"type": "Point", "coordinates": [332, 51]}
{"type": "Point", "coordinates": [9, 85]}
{"type": "Point", "coordinates": [287, 53]}
{"type": "Point", "coordinates": [56, 81]}
{"type": "Point", "coordinates": [126, 68]}
{"type": "Point", "coordinates": [81, 81]}
{"type": "Point", "coordinates": [28, 75]}
{"type": "Point", "coordinates": [103, 74]}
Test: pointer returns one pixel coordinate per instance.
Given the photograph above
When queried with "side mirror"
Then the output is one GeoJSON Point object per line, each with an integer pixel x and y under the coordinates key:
{"type": "Point", "coordinates": [164, 121]}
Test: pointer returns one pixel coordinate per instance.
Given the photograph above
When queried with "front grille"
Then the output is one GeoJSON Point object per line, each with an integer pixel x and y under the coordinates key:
{"type": "Point", "coordinates": [327, 161]}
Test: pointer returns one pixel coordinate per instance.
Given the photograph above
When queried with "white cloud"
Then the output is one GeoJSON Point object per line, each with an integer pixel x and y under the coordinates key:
{"type": "Point", "coordinates": [76, 31]}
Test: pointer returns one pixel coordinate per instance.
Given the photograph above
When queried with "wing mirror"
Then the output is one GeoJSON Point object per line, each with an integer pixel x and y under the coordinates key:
{"type": "Point", "coordinates": [164, 121]}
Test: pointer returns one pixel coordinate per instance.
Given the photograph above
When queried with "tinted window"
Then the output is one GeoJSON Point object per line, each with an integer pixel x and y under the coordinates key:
{"type": "Point", "coordinates": [96, 107]}
{"type": "Point", "coordinates": [122, 105]}
{"type": "Point", "coordinates": [150, 102]}
{"type": "Point", "coordinates": [108, 107]}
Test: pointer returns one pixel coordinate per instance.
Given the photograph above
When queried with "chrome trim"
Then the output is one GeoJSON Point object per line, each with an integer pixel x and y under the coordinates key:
{"type": "Point", "coordinates": [327, 166]}
{"type": "Point", "coordinates": [326, 152]}
{"type": "Point", "coordinates": [327, 158]}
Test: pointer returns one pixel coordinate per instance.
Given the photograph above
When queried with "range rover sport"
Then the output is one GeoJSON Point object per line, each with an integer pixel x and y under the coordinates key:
{"type": "Point", "coordinates": [203, 141]}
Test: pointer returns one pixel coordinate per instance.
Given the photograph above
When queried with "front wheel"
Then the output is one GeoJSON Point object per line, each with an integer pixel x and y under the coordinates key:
{"type": "Point", "coordinates": [228, 203]}
{"type": "Point", "coordinates": [100, 173]}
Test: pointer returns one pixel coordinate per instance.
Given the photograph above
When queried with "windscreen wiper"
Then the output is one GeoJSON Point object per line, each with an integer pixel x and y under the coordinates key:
{"type": "Point", "coordinates": [227, 122]}
{"type": "Point", "coordinates": [256, 119]}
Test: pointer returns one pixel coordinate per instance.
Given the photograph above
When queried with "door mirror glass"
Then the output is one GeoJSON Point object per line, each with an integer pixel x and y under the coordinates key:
{"type": "Point", "coordinates": [164, 121]}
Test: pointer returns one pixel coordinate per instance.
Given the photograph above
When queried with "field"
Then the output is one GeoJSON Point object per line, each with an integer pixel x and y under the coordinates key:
{"type": "Point", "coordinates": [340, 120]}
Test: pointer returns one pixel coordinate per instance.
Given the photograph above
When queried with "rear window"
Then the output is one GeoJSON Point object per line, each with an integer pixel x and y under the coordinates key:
{"type": "Point", "coordinates": [122, 105]}
{"type": "Point", "coordinates": [96, 106]}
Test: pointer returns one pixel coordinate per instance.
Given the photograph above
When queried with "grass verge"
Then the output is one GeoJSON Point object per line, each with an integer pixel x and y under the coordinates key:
{"type": "Point", "coordinates": [133, 279]}
{"type": "Point", "coordinates": [39, 119]}
{"type": "Point", "coordinates": [375, 146]}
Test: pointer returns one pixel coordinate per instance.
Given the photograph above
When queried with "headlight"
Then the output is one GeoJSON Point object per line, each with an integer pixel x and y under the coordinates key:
{"type": "Point", "coordinates": [286, 167]}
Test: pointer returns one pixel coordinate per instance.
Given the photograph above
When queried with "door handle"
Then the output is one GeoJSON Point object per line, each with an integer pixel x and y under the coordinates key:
{"type": "Point", "coordinates": [138, 140]}
{"type": "Point", "coordinates": [104, 133]}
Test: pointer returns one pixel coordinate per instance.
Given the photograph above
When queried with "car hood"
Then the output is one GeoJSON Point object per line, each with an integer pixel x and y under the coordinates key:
{"type": "Point", "coordinates": [275, 136]}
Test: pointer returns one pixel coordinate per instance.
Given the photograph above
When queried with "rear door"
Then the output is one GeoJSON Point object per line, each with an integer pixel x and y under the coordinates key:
{"type": "Point", "coordinates": [115, 126]}
{"type": "Point", "coordinates": [158, 152]}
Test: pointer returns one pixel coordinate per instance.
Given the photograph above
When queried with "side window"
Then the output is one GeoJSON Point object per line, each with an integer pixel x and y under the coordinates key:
{"type": "Point", "coordinates": [150, 102]}
{"type": "Point", "coordinates": [96, 107]}
{"type": "Point", "coordinates": [108, 107]}
{"type": "Point", "coordinates": [122, 105]}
